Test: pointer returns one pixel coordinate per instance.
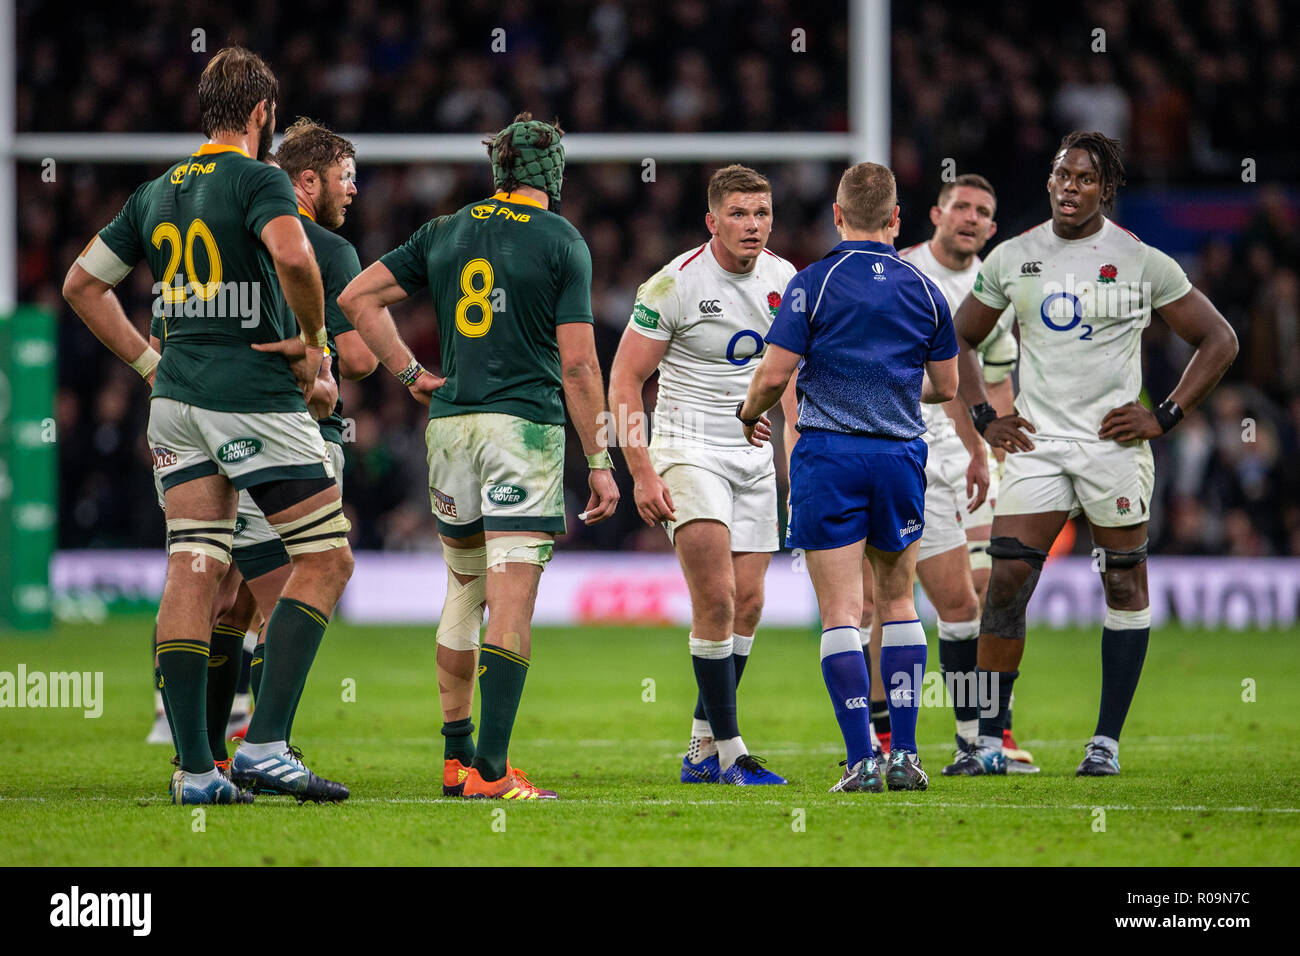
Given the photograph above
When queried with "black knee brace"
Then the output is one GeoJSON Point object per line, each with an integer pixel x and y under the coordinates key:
{"type": "Point", "coordinates": [1116, 560]}
{"type": "Point", "coordinates": [1012, 549]}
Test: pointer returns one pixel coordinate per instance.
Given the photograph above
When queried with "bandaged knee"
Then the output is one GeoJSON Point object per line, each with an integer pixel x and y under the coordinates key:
{"type": "Point", "coordinates": [462, 611]}
{"type": "Point", "coordinates": [213, 537]}
{"type": "Point", "coordinates": [322, 530]}
{"type": "Point", "coordinates": [519, 549]}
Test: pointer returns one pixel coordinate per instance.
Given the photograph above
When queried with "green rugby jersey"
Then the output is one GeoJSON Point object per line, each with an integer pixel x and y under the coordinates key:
{"type": "Point", "coordinates": [339, 265]}
{"type": "Point", "coordinates": [198, 226]}
{"type": "Point", "coordinates": [503, 273]}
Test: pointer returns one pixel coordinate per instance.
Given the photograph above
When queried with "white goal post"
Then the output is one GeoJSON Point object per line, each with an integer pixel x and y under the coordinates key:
{"type": "Point", "coordinates": [867, 138]}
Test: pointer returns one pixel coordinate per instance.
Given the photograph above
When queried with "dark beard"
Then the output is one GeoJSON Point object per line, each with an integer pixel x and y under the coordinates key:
{"type": "Point", "coordinates": [264, 141]}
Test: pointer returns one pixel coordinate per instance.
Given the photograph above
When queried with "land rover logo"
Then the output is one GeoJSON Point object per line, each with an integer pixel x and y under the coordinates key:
{"type": "Point", "coordinates": [237, 449]}
{"type": "Point", "coordinates": [506, 494]}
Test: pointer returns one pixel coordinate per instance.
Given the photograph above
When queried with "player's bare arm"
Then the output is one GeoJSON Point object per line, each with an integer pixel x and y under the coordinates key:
{"type": "Point", "coordinates": [974, 321]}
{"type": "Point", "coordinates": [584, 394]}
{"type": "Point", "coordinates": [977, 471]}
{"type": "Point", "coordinates": [99, 308]}
{"type": "Point", "coordinates": [766, 388]}
{"type": "Point", "coordinates": [636, 360]}
{"type": "Point", "coordinates": [790, 411]}
{"type": "Point", "coordinates": [365, 302]}
{"type": "Point", "coordinates": [325, 392]}
{"type": "Point", "coordinates": [295, 265]}
{"type": "Point", "coordinates": [939, 383]}
{"type": "Point", "coordinates": [355, 361]}
{"type": "Point", "coordinates": [1199, 324]}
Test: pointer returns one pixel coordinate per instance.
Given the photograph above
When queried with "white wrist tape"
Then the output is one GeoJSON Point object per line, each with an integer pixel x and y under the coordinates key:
{"type": "Point", "coordinates": [146, 362]}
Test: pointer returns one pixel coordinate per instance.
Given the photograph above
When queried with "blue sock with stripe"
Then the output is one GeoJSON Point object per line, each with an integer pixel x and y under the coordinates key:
{"type": "Point", "coordinates": [902, 668]}
{"type": "Point", "coordinates": [844, 668]}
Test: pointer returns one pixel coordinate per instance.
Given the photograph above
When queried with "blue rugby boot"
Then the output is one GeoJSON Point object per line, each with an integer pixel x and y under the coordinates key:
{"type": "Point", "coordinates": [283, 773]}
{"type": "Point", "coordinates": [748, 771]}
{"type": "Point", "coordinates": [185, 790]}
{"type": "Point", "coordinates": [1098, 761]}
{"type": "Point", "coordinates": [707, 770]}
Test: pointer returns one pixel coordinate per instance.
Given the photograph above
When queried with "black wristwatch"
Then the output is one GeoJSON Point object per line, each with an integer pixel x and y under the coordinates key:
{"type": "Point", "coordinates": [1167, 414]}
{"type": "Point", "coordinates": [983, 415]}
{"type": "Point", "coordinates": [747, 422]}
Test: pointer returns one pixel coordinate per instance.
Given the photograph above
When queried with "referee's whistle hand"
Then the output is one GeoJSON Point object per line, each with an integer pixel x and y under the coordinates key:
{"type": "Point", "coordinates": [759, 432]}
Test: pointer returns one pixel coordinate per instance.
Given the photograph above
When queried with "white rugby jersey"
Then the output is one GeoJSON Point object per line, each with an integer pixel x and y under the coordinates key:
{"type": "Point", "coordinates": [997, 351]}
{"type": "Point", "coordinates": [1081, 305]}
{"type": "Point", "coordinates": [714, 322]}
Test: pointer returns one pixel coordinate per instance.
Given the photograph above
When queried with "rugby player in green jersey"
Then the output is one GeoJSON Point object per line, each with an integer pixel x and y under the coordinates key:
{"type": "Point", "coordinates": [511, 282]}
{"type": "Point", "coordinates": [321, 165]}
{"type": "Point", "coordinates": [225, 417]}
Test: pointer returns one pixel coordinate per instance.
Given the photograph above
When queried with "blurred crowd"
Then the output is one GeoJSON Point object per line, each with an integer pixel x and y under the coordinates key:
{"type": "Point", "coordinates": [989, 85]}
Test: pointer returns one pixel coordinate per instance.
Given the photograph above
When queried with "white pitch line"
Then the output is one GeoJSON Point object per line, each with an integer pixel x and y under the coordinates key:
{"type": "Point", "coordinates": [892, 802]}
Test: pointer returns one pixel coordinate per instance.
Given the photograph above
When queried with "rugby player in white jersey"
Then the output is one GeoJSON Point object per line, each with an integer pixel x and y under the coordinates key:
{"type": "Point", "coordinates": [1083, 290]}
{"type": "Point", "coordinates": [958, 468]}
{"type": "Point", "coordinates": [701, 321]}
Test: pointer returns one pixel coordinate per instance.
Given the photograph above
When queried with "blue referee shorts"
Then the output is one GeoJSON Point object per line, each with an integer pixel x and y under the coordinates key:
{"type": "Point", "coordinates": [847, 488]}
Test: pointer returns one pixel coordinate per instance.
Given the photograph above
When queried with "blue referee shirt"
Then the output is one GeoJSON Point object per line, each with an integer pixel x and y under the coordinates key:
{"type": "Point", "coordinates": [865, 322]}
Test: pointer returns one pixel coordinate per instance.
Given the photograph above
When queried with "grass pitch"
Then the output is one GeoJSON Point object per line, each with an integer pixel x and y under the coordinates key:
{"type": "Point", "coordinates": [1209, 778]}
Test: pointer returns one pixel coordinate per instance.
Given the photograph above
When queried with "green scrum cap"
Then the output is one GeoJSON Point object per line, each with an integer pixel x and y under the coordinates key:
{"type": "Point", "coordinates": [539, 167]}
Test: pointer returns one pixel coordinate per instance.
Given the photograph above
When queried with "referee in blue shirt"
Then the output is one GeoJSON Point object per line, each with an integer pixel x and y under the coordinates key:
{"type": "Point", "coordinates": [872, 338]}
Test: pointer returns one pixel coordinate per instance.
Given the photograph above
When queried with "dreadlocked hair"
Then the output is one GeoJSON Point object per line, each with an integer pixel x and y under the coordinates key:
{"type": "Point", "coordinates": [1105, 153]}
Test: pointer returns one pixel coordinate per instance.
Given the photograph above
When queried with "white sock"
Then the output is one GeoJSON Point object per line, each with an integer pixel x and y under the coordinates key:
{"type": "Point", "coordinates": [702, 744]}
{"type": "Point", "coordinates": [158, 709]}
{"type": "Point", "coordinates": [742, 645]}
{"type": "Point", "coordinates": [202, 779]}
{"type": "Point", "coordinates": [968, 730]}
{"type": "Point", "coordinates": [989, 743]}
{"type": "Point", "coordinates": [729, 750]}
{"type": "Point", "coordinates": [258, 751]}
{"type": "Point", "coordinates": [250, 640]}
{"type": "Point", "coordinates": [875, 738]}
{"type": "Point", "coordinates": [242, 703]}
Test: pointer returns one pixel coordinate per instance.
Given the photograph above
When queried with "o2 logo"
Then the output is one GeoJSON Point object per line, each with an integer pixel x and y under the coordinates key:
{"type": "Point", "coordinates": [1076, 315]}
{"type": "Point", "coordinates": [741, 336]}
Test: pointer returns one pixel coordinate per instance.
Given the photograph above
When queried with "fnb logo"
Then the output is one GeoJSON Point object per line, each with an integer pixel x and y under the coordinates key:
{"type": "Point", "coordinates": [710, 307]}
{"type": "Point", "coordinates": [1031, 268]}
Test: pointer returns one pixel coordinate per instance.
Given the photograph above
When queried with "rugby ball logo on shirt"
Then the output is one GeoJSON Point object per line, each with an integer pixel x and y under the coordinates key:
{"type": "Point", "coordinates": [239, 449]}
{"type": "Point", "coordinates": [506, 494]}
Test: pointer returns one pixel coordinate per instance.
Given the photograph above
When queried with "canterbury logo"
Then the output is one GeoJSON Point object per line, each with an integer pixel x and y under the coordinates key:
{"type": "Point", "coordinates": [855, 703]}
{"type": "Point", "coordinates": [710, 307]}
{"type": "Point", "coordinates": [1031, 268]}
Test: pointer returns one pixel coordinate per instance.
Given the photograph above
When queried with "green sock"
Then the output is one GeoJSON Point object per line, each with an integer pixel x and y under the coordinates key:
{"type": "Point", "coordinates": [458, 741]}
{"type": "Point", "coordinates": [501, 684]}
{"type": "Point", "coordinates": [223, 674]}
{"type": "Point", "coordinates": [255, 670]}
{"type": "Point", "coordinates": [184, 666]}
{"type": "Point", "coordinates": [292, 636]}
{"type": "Point", "coordinates": [167, 708]}
{"type": "Point", "coordinates": [288, 730]}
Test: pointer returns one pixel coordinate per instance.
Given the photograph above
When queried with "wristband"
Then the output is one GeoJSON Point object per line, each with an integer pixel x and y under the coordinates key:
{"type": "Point", "coordinates": [320, 339]}
{"type": "Point", "coordinates": [600, 460]}
{"type": "Point", "coordinates": [411, 373]}
{"type": "Point", "coordinates": [146, 362]}
{"type": "Point", "coordinates": [747, 422]}
{"type": "Point", "coordinates": [983, 415]}
{"type": "Point", "coordinates": [1168, 414]}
